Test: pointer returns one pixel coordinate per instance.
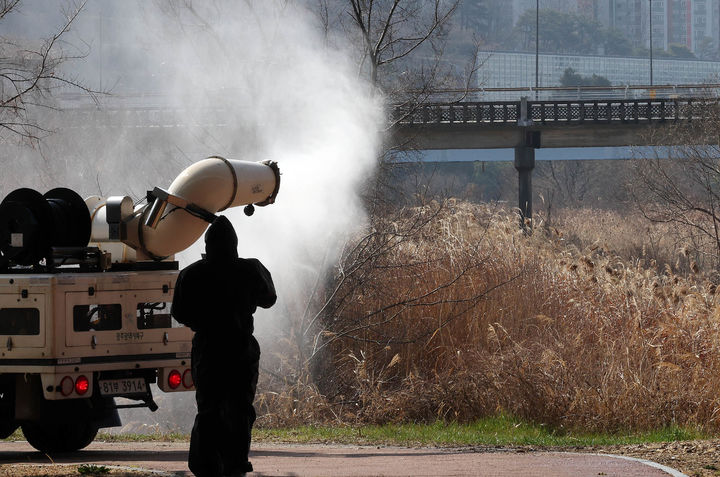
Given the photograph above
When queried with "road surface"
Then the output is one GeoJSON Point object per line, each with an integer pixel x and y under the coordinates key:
{"type": "Point", "coordinates": [336, 460]}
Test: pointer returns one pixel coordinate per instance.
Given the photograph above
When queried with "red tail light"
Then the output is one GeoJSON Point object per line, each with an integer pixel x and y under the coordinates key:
{"type": "Point", "coordinates": [174, 379]}
{"type": "Point", "coordinates": [187, 379]}
{"type": "Point", "coordinates": [82, 384]}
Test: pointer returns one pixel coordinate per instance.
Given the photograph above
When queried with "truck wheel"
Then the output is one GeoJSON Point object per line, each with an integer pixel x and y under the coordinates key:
{"type": "Point", "coordinates": [7, 405]}
{"type": "Point", "coordinates": [59, 436]}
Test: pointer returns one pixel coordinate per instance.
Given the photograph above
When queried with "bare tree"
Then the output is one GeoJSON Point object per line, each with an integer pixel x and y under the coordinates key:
{"type": "Point", "coordinates": [401, 52]}
{"type": "Point", "coordinates": [680, 185]}
{"type": "Point", "coordinates": [401, 44]}
{"type": "Point", "coordinates": [29, 73]}
{"type": "Point", "coordinates": [563, 184]}
{"type": "Point", "coordinates": [393, 30]}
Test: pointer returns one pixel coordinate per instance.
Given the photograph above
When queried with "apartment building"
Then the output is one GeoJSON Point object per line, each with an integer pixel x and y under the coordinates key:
{"type": "Point", "coordinates": [517, 70]}
{"type": "Point", "coordinates": [692, 23]}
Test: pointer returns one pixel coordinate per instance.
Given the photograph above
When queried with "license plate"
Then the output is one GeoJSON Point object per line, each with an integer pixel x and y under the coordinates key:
{"type": "Point", "coordinates": [115, 387]}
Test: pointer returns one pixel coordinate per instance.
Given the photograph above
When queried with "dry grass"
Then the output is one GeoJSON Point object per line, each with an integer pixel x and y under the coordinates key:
{"type": "Point", "coordinates": [454, 314]}
{"type": "Point", "coordinates": [635, 239]}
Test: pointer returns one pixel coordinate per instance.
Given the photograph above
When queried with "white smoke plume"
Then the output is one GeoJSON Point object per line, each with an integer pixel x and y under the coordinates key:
{"type": "Point", "coordinates": [295, 102]}
{"type": "Point", "coordinates": [259, 81]}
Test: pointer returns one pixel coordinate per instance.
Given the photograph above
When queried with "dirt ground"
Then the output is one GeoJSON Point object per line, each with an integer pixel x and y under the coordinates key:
{"type": "Point", "coordinates": [61, 470]}
{"type": "Point", "coordinates": [694, 459]}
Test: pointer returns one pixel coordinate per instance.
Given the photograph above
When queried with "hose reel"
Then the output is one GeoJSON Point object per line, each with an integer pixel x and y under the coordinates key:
{"type": "Point", "coordinates": [32, 223]}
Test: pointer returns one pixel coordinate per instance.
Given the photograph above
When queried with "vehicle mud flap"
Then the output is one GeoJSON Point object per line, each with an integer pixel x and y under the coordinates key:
{"type": "Point", "coordinates": [149, 401]}
{"type": "Point", "coordinates": [107, 414]}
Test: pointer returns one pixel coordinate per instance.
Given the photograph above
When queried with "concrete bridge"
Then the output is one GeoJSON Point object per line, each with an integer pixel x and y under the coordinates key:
{"type": "Point", "coordinates": [555, 123]}
{"type": "Point", "coordinates": [527, 125]}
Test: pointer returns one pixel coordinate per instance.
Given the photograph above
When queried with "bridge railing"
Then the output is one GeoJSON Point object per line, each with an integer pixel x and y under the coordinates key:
{"type": "Point", "coordinates": [545, 112]}
{"type": "Point", "coordinates": [555, 93]}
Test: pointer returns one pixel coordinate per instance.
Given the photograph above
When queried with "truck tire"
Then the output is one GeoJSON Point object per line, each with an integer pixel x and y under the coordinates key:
{"type": "Point", "coordinates": [8, 425]}
{"type": "Point", "coordinates": [59, 436]}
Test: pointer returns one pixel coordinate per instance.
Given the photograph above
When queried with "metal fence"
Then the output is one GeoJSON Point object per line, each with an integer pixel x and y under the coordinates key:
{"type": "Point", "coordinates": [560, 111]}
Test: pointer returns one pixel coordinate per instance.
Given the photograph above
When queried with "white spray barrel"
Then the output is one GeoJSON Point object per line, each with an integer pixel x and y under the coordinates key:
{"type": "Point", "coordinates": [212, 185]}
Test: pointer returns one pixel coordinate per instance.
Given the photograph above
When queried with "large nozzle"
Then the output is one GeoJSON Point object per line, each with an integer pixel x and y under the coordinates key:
{"type": "Point", "coordinates": [31, 224]}
{"type": "Point", "coordinates": [175, 218]}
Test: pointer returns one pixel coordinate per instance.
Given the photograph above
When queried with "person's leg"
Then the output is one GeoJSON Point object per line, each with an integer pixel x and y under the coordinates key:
{"type": "Point", "coordinates": [239, 415]}
{"type": "Point", "coordinates": [204, 459]}
{"type": "Point", "coordinates": [232, 444]}
{"type": "Point", "coordinates": [248, 408]}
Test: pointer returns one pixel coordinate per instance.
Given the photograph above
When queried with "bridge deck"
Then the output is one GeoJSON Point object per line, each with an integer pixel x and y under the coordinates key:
{"type": "Point", "coordinates": [562, 123]}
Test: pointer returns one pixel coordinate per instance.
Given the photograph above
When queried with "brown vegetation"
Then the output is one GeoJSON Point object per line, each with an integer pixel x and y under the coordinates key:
{"type": "Point", "coordinates": [451, 312]}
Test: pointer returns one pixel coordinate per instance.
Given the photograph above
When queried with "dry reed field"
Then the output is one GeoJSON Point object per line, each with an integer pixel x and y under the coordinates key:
{"type": "Point", "coordinates": [451, 312]}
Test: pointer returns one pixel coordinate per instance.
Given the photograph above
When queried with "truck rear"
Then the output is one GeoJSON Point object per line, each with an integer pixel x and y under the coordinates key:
{"type": "Point", "coordinates": [73, 342]}
{"type": "Point", "coordinates": [85, 312]}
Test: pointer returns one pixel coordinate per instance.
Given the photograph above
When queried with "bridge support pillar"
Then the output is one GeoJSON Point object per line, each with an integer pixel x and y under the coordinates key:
{"type": "Point", "coordinates": [525, 163]}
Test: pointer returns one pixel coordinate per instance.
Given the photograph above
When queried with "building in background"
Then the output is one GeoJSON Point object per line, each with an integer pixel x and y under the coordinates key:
{"type": "Point", "coordinates": [694, 24]}
{"type": "Point", "coordinates": [679, 25]}
{"type": "Point", "coordinates": [566, 6]}
{"type": "Point", "coordinates": [704, 24]}
{"type": "Point", "coordinates": [517, 70]}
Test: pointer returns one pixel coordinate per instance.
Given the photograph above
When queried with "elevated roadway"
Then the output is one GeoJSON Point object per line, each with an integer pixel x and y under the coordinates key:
{"type": "Point", "coordinates": [527, 125]}
{"type": "Point", "coordinates": [553, 123]}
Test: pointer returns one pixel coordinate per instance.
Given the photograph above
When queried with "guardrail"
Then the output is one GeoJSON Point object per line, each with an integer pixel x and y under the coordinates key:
{"type": "Point", "coordinates": [556, 112]}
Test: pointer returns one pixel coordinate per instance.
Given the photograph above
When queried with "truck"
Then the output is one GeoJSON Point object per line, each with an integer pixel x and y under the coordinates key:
{"type": "Point", "coordinates": [86, 287]}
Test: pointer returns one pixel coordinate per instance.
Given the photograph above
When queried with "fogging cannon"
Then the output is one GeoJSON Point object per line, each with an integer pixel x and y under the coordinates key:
{"type": "Point", "coordinates": [72, 338]}
{"type": "Point", "coordinates": [59, 228]}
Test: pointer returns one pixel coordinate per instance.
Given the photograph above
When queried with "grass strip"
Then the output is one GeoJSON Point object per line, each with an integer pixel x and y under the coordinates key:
{"type": "Point", "coordinates": [494, 431]}
{"type": "Point", "coordinates": [497, 431]}
{"type": "Point", "coordinates": [108, 437]}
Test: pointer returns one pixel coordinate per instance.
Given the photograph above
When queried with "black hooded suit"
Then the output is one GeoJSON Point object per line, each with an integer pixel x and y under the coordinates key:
{"type": "Point", "coordinates": [216, 297]}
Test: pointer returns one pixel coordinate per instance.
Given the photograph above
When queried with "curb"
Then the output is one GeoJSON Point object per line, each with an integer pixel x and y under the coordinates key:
{"type": "Point", "coordinates": [664, 468]}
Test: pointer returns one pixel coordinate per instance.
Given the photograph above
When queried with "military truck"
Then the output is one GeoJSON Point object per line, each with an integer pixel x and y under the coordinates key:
{"type": "Point", "coordinates": [85, 292]}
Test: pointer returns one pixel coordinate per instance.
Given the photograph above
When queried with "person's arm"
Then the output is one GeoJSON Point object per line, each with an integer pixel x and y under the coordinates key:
{"type": "Point", "coordinates": [265, 290]}
{"type": "Point", "coordinates": [181, 308]}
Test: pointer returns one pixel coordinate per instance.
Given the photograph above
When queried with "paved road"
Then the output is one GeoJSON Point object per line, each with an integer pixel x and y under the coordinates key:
{"type": "Point", "coordinates": [322, 460]}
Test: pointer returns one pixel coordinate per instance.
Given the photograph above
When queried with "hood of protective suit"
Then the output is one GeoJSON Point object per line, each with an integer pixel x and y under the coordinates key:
{"type": "Point", "coordinates": [221, 240]}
